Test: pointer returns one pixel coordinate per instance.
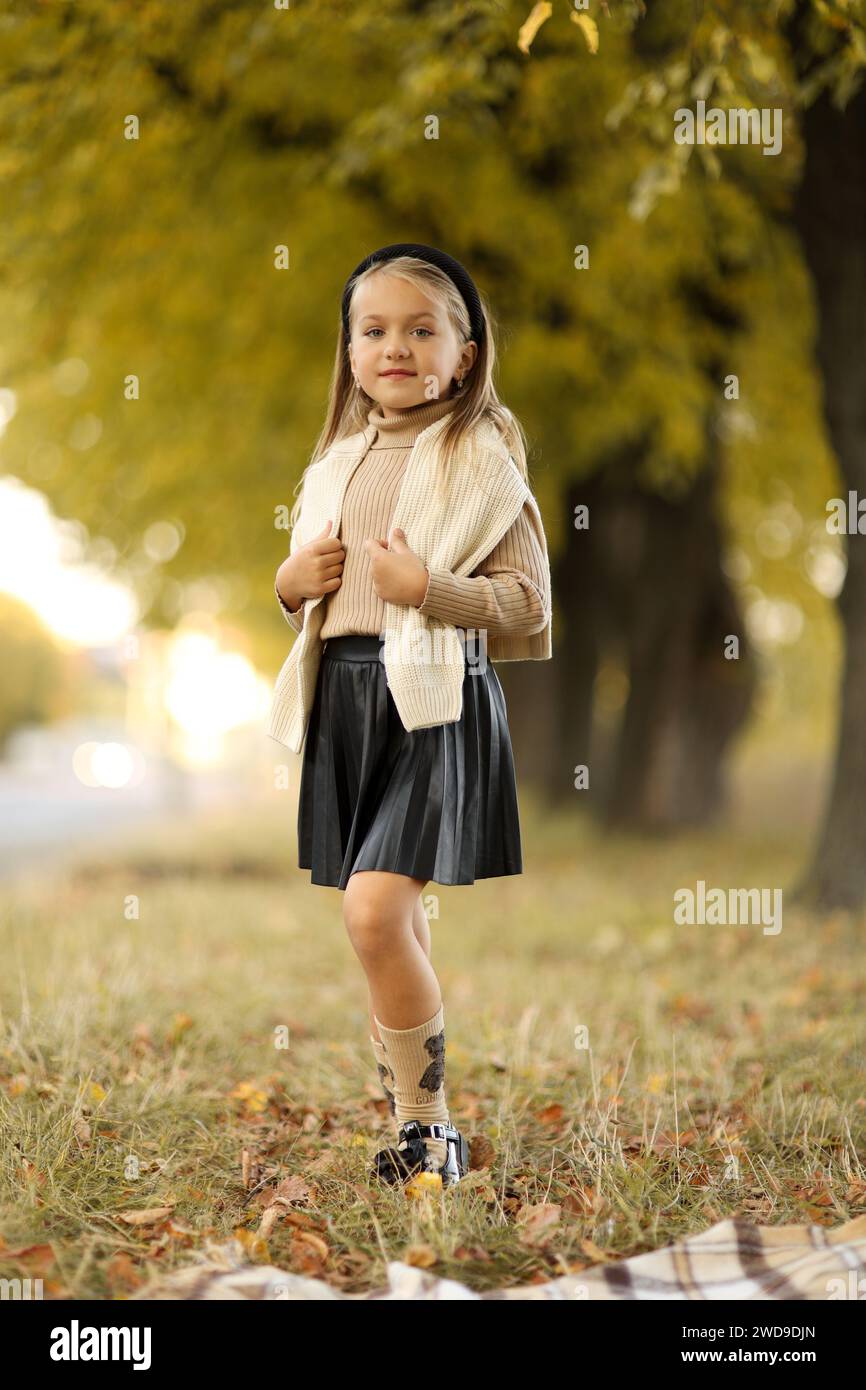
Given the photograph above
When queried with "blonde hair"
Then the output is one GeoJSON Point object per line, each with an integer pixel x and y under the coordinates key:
{"type": "Point", "coordinates": [349, 405]}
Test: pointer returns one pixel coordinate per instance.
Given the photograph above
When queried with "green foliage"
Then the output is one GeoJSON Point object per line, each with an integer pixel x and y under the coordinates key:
{"type": "Point", "coordinates": [306, 127]}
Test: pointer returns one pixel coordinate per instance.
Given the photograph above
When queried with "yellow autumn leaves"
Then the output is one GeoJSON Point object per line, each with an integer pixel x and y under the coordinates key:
{"type": "Point", "coordinates": [540, 13]}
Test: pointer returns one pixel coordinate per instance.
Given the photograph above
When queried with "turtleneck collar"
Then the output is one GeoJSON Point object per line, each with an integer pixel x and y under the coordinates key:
{"type": "Point", "coordinates": [404, 427]}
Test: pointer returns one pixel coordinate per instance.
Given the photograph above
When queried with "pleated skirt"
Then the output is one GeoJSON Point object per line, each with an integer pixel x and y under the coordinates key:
{"type": "Point", "coordinates": [438, 804]}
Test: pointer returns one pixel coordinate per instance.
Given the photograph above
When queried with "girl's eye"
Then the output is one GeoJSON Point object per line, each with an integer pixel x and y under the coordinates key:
{"type": "Point", "coordinates": [419, 329]}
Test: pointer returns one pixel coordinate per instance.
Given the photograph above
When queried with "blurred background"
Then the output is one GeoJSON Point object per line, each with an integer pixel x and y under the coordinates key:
{"type": "Point", "coordinates": [184, 199]}
{"type": "Point", "coordinates": [681, 330]}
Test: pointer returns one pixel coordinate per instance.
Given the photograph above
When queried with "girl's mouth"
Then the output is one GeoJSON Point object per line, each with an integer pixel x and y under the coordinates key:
{"type": "Point", "coordinates": [397, 374]}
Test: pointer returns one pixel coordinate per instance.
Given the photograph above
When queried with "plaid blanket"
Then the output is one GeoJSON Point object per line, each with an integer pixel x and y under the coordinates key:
{"type": "Point", "coordinates": [731, 1260]}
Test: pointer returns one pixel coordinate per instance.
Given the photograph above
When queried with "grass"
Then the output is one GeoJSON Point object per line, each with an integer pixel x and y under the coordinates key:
{"type": "Point", "coordinates": [145, 989]}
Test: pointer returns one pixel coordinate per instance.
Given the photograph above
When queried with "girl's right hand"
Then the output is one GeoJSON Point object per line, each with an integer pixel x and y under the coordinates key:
{"type": "Point", "coordinates": [313, 570]}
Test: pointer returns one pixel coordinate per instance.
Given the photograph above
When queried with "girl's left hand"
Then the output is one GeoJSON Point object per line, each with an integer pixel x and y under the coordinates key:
{"type": "Point", "coordinates": [399, 576]}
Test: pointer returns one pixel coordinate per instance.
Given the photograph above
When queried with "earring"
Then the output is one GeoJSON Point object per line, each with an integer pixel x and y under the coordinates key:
{"type": "Point", "coordinates": [460, 383]}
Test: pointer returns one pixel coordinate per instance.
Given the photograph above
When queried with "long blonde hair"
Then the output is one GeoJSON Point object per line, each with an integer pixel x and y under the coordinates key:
{"type": "Point", "coordinates": [349, 405]}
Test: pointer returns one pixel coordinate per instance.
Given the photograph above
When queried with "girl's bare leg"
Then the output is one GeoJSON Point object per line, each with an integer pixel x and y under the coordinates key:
{"type": "Point", "coordinates": [379, 912]}
{"type": "Point", "coordinates": [421, 928]}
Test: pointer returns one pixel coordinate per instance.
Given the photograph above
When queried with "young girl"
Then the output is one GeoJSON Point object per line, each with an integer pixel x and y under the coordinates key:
{"type": "Point", "coordinates": [407, 772]}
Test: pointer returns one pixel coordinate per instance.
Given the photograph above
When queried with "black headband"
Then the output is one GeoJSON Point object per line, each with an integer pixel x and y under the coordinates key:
{"type": "Point", "coordinates": [453, 269]}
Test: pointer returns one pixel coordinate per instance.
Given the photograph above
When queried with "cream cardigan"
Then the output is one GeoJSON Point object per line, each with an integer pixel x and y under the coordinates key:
{"type": "Point", "coordinates": [423, 657]}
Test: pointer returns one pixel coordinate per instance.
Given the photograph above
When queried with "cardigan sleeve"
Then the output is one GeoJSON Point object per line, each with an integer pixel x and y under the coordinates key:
{"type": "Point", "coordinates": [509, 592]}
{"type": "Point", "coordinates": [294, 616]}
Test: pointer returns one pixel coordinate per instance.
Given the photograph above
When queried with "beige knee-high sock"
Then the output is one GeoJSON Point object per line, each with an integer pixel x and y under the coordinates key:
{"type": "Point", "coordinates": [416, 1057]}
{"type": "Point", "coordinates": [386, 1076]}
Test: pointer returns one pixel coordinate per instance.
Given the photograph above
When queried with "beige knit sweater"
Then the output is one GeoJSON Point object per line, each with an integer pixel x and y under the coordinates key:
{"type": "Point", "coordinates": [506, 592]}
{"type": "Point", "coordinates": [453, 528]}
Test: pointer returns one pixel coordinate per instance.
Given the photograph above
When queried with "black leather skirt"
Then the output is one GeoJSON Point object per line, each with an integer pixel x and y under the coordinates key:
{"type": "Point", "coordinates": [438, 803]}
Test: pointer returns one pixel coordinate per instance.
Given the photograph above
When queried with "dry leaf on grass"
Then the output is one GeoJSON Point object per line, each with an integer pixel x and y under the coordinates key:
{"type": "Point", "coordinates": [249, 1170]}
{"type": "Point", "coordinates": [477, 1180]}
{"type": "Point", "coordinates": [38, 1258]}
{"type": "Point", "coordinates": [482, 1154]}
{"type": "Point", "coordinates": [421, 1256]}
{"type": "Point", "coordinates": [538, 1221]}
{"type": "Point", "coordinates": [580, 1201]}
{"type": "Point", "coordinates": [148, 1217]}
{"type": "Point", "coordinates": [473, 1252]}
{"type": "Point", "coordinates": [292, 1189]}
{"type": "Point", "coordinates": [121, 1272]}
{"type": "Point", "coordinates": [309, 1253]}
{"type": "Point", "coordinates": [668, 1141]}
{"type": "Point", "coordinates": [81, 1130]}
{"type": "Point", "coordinates": [594, 1251]}
{"type": "Point", "coordinates": [551, 1115]}
{"type": "Point", "coordinates": [277, 1203]}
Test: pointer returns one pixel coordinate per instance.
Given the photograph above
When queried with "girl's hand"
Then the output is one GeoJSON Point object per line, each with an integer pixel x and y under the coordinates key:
{"type": "Point", "coordinates": [313, 570]}
{"type": "Point", "coordinates": [399, 576]}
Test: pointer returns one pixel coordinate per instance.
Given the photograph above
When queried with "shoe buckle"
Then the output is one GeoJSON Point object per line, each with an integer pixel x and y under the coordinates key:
{"type": "Point", "coordinates": [436, 1129]}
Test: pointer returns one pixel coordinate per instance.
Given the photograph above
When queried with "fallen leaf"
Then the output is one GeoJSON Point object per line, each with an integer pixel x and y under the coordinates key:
{"type": "Point", "coordinates": [472, 1252]}
{"type": "Point", "coordinates": [292, 1189]}
{"type": "Point", "coordinates": [309, 1252]}
{"type": "Point", "coordinates": [180, 1025]}
{"type": "Point", "coordinates": [587, 27]}
{"type": "Point", "coordinates": [538, 15]}
{"type": "Point", "coordinates": [477, 1181]}
{"type": "Point", "coordinates": [669, 1140]}
{"type": "Point", "coordinates": [579, 1202]}
{"type": "Point", "coordinates": [537, 1221]}
{"type": "Point", "coordinates": [121, 1272]}
{"type": "Point", "coordinates": [551, 1114]}
{"type": "Point", "coordinates": [421, 1256]}
{"type": "Point", "coordinates": [423, 1185]}
{"type": "Point", "coordinates": [148, 1217]}
{"type": "Point", "coordinates": [81, 1130]}
{"type": "Point", "coordinates": [253, 1245]}
{"type": "Point", "coordinates": [481, 1152]}
{"type": "Point", "coordinates": [590, 1248]}
{"type": "Point", "coordinates": [35, 1257]}
{"type": "Point", "coordinates": [251, 1097]}
{"type": "Point", "coordinates": [269, 1220]}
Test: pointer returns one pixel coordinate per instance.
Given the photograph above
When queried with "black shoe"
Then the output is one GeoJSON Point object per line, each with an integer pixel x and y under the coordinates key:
{"type": "Point", "coordinates": [398, 1165]}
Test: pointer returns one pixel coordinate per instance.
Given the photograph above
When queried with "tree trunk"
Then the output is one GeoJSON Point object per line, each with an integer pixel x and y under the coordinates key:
{"type": "Point", "coordinates": [830, 213]}
{"type": "Point", "coordinates": [642, 588]}
{"type": "Point", "coordinates": [550, 704]}
{"type": "Point", "coordinates": [686, 699]}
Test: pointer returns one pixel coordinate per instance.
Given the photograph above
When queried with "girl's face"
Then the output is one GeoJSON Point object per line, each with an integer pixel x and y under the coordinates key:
{"type": "Point", "coordinates": [398, 329]}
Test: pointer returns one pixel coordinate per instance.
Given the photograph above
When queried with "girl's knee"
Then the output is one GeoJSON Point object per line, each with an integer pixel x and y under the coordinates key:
{"type": "Point", "coordinates": [372, 920]}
